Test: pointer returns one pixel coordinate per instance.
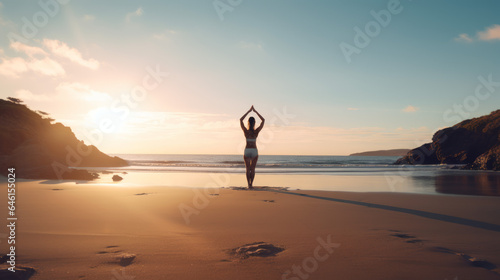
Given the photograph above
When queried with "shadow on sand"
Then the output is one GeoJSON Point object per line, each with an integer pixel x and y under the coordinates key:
{"type": "Point", "coordinates": [425, 214]}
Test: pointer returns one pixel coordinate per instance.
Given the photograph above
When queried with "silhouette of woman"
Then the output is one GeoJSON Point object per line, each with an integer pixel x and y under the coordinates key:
{"type": "Point", "coordinates": [251, 154]}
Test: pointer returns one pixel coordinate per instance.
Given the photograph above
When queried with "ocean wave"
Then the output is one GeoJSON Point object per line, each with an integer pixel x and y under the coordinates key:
{"type": "Point", "coordinates": [280, 164]}
{"type": "Point", "coordinates": [236, 164]}
{"type": "Point", "coordinates": [158, 162]}
{"type": "Point", "coordinates": [232, 161]}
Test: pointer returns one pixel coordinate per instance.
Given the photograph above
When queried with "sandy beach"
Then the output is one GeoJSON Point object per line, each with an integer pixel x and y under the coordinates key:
{"type": "Point", "coordinates": [113, 231]}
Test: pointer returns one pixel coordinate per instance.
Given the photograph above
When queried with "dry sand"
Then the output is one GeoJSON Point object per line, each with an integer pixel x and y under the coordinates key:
{"type": "Point", "coordinates": [82, 231]}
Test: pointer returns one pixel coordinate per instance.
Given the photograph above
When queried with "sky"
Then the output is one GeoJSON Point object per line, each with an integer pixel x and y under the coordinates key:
{"type": "Point", "coordinates": [330, 77]}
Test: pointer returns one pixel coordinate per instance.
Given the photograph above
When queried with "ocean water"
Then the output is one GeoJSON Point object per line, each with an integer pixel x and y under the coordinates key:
{"type": "Point", "coordinates": [330, 173]}
{"type": "Point", "coordinates": [266, 163]}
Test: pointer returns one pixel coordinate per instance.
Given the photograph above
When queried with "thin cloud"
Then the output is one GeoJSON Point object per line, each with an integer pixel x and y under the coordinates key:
{"type": "Point", "coordinates": [165, 35]}
{"type": "Point", "coordinates": [62, 49]}
{"type": "Point", "coordinates": [46, 66]}
{"type": "Point", "coordinates": [13, 67]}
{"type": "Point", "coordinates": [27, 95]}
{"type": "Point", "coordinates": [329, 139]}
{"type": "Point", "coordinates": [82, 91]}
{"type": "Point", "coordinates": [463, 38]}
{"type": "Point", "coordinates": [136, 13]}
{"type": "Point", "coordinates": [164, 124]}
{"type": "Point", "coordinates": [28, 50]}
{"type": "Point", "coordinates": [410, 109]}
{"type": "Point", "coordinates": [37, 61]}
{"type": "Point", "coordinates": [250, 46]}
{"type": "Point", "coordinates": [353, 109]}
{"type": "Point", "coordinates": [88, 17]}
{"type": "Point", "coordinates": [491, 33]}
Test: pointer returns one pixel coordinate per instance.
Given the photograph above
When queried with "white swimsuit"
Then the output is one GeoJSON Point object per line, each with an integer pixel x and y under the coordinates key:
{"type": "Point", "coordinates": [251, 152]}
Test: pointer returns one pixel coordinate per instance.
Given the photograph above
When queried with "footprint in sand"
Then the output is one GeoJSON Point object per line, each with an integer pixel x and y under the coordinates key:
{"type": "Point", "coordinates": [467, 258]}
{"type": "Point", "coordinates": [410, 238]}
{"type": "Point", "coordinates": [257, 249]}
{"type": "Point", "coordinates": [271, 201]}
{"type": "Point", "coordinates": [125, 259]}
{"type": "Point", "coordinates": [414, 241]}
{"type": "Point", "coordinates": [403, 235]}
{"type": "Point", "coordinates": [115, 256]}
{"type": "Point", "coordinates": [473, 261]}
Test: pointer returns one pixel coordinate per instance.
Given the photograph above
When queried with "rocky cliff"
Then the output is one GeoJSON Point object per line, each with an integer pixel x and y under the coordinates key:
{"type": "Point", "coordinates": [39, 149]}
{"type": "Point", "coordinates": [474, 142]}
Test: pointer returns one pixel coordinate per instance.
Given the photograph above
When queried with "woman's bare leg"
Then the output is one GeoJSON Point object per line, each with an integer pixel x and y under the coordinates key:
{"type": "Point", "coordinates": [253, 164]}
{"type": "Point", "coordinates": [248, 164]}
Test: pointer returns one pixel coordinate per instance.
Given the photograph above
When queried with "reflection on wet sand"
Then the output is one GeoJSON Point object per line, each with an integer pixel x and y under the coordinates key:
{"type": "Point", "coordinates": [471, 184]}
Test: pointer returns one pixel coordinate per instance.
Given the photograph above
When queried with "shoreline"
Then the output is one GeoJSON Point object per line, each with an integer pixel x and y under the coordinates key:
{"type": "Point", "coordinates": [428, 182]}
{"type": "Point", "coordinates": [455, 182]}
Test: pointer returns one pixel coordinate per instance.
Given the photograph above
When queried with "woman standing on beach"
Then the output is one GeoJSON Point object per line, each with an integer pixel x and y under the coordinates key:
{"type": "Point", "coordinates": [251, 154]}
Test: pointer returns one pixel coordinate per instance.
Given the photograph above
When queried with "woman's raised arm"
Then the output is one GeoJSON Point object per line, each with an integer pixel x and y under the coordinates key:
{"type": "Point", "coordinates": [262, 120]}
{"type": "Point", "coordinates": [243, 117]}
